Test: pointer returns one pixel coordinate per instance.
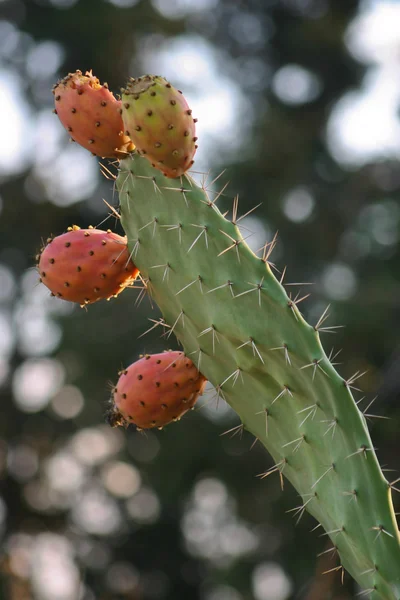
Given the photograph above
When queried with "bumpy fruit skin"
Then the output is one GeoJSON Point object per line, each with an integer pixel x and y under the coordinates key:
{"type": "Point", "coordinates": [156, 389]}
{"type": "Point", "coordinates": [86, 265]}
{"type": "Point", "coordinates": [92, 115]}
{"type": "Point", "coordinates": [159, 121]}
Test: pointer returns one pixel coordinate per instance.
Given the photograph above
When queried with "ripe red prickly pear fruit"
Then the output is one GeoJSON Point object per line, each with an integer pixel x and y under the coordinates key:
{"type": "Point", "coordinates": [85, 265]}
{"type": "Point", "coordinates": [155, 390]}
{"type": "Point", "coordinates": [159, 121]}
{"type": "Point", "coordinates": [92, 115]}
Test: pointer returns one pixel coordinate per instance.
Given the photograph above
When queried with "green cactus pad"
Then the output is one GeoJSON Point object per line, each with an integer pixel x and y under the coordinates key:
{"type": "Point", "coordinates": [247, 337]}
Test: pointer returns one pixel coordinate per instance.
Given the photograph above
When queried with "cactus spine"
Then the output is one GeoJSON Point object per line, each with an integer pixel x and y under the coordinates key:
{"type": "Point", "coordinates": [246, 336]}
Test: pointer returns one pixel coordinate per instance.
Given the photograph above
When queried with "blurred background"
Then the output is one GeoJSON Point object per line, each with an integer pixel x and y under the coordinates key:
{"type": "Point", "coordinates": [298, 101]}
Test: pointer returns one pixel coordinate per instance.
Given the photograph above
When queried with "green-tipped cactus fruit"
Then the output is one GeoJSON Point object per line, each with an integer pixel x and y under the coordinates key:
{"type": "Point", "coordinates": [248, 338]}
{"type": "Point", "coordinates": [159, 121]}
{"type": "Point", "coordinates": [156, 390]}
{"type": "Point", "coordinates": [86, 265]}
{"type": "Point", "coordinates": [91, 114]}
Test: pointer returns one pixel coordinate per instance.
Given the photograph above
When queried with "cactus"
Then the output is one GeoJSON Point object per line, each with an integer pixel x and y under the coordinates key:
{"type": "Point", "coordinates": [158, 119]}
{"type": "Point", "coordinates": [86, 265]}
{"type": "Point", "coordinates": [156, 390]}
{"type": "Point", "coordinates": [91, 114]}
{"type": "Point", "coordinates": [246, 336]}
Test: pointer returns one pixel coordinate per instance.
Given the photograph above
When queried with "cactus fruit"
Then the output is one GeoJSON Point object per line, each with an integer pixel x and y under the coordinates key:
{"type": "Point", "coordinates": [85, 265]}
{"type": "Point", "coordinates": [159, 121]}
{"type": "Point", "coordinates": [156, 390]}
{"type": "Point", "coordinates": [92, 115]}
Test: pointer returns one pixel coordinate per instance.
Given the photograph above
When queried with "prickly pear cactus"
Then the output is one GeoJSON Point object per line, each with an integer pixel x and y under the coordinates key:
{"type": "Point", "coordinates": [245, 335]}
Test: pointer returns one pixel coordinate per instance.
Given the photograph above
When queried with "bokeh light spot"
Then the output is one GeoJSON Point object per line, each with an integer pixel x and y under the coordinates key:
{"type": "Point", "coordinates": [144, 507]}
{"type": "Point", "coordinates": [293, 84]}
{"type": "Point", "coordinates": [298, 204]}
{"type": "Point", "coordinates": [120, 479]}
{"type": "Point", "coordinates": [35, 382]}
{"type": "Point", "coordinates": [270, 582]}
{"type": "Point", "coordinates": [68, 403]}
{"type": "Point", "coordinates": [339, 281]}
{"type": "Point", "coordinates": [44, 59]}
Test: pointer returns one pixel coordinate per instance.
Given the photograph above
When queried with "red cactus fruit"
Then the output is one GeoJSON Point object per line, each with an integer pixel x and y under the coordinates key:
{"type": "Point", "coordinates": [155, 390]}
{"type": "Point", "coordinates": [159, 121]}
{"type": "Point", "coordinates": [85, 265]}
{"type": "Point", "coordinates": [92, 115]}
